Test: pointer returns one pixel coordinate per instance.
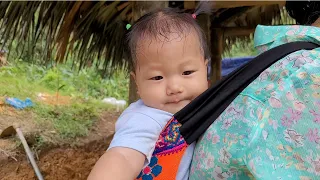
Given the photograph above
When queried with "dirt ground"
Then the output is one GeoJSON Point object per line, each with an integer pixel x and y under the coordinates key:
{"type": "Point", "coordinates": [59, 162]}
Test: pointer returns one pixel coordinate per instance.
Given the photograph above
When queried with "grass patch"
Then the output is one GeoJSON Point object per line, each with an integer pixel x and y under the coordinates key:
{"type": "Point", "coordinates": [70, 121]}
{"type": "Point", "coordinates": [17, 85]}
{"type": "Point", "coordinates": [85, 88]}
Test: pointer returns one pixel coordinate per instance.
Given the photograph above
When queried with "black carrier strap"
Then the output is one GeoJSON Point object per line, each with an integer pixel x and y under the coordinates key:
{"type": "Point", "coordinates": [197, 116]}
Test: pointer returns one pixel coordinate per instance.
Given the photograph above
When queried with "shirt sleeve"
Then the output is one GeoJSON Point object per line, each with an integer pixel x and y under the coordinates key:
{"type": "Point", "coordinates": [137, 131]}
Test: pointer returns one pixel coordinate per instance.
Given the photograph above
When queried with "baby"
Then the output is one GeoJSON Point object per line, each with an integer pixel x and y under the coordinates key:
{"type": "Point", "coordinates": [169, 55]}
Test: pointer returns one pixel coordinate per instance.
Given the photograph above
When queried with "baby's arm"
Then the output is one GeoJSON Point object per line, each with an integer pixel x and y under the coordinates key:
{"type": "Point", "coordinates": [118, 163]}
{"type": "Point", "coordinates": [131, 148]}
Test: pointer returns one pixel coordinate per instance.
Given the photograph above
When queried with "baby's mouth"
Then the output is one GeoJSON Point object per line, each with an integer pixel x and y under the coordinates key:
{"type": "Point", "coordinates": [177, 101]}
{"type": "Point", "coordinates": [173, 102]}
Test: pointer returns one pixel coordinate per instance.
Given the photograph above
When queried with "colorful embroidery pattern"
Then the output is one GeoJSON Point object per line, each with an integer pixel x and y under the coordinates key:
{"type": "Point", "coordinates": [170, 139]}
{"type": "Point", "coordinates": [167, 155]}
{"type": "Point", "coordinates": [151, 171]}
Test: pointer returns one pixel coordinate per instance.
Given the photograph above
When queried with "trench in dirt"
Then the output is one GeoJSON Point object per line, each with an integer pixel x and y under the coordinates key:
{"type": "Point", "coordinates": [57, 163]}
{"type": "Point", "coordinates": [63, 161]}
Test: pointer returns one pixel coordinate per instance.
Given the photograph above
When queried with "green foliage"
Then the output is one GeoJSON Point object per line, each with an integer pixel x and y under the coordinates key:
{"type": "Point", "coordinates": [86, 88]}
{"type": "Point", "coordinates": [72, 120]}
{"type": "Point", "coordinates": [86, 83]}
{"type": "Point", "coordinates": [240, 48]}
{"type": "Point", "coordinates": [16, 81]}
{"type": "Point", "coordinates": [284, 18]}
{"type": "Point", "coordinates": [44, 31]}
{"type": "Point", "coordinates": [89, 83]}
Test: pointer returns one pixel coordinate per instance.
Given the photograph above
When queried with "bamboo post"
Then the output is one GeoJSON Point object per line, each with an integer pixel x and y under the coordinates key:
{"type": "Point", "coordinates": [205, 24]}
{"type": "Point", "coordinates": [216, 53]}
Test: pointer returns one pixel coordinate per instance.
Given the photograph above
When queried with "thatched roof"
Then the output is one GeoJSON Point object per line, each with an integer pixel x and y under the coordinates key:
{"type": "Point", "coordinates": [90, 29]}
{"type": "Point", "coordinates": [94, 30]}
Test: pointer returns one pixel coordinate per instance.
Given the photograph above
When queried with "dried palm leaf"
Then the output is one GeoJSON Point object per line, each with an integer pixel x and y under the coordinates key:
{"type": "Point", "coordinates": [92, 32]}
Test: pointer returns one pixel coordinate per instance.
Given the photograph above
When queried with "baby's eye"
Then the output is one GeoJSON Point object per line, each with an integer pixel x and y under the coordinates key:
{"type": "Point", "coordinates": [156, 78]}
{"type": "Point", "coordinates": [187, 72]}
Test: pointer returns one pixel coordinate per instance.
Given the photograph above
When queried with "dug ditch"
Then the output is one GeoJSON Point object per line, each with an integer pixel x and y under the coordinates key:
{"type": "Point", "coordinates": [63, 161]}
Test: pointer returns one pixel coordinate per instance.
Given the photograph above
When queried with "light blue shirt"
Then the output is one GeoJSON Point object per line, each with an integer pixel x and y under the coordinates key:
{"type": "Point", "coordinates": [139, 127]}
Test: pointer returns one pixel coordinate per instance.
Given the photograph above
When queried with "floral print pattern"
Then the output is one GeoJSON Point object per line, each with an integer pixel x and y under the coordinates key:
{"type": "Point", "coordinates": [271, 130]}
{"type": "Point", "coordinates": [151, 171]}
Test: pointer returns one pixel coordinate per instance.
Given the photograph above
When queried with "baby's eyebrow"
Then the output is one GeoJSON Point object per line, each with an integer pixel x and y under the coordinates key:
{"type": "Point", "coordinates": [187, 62]}
{"type": "Point", "coordinates": [153, 67]}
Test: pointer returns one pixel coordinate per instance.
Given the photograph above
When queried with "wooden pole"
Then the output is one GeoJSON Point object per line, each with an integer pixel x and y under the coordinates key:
{"type": "Point", "coordinates": [139, 9]}
{"type": "Point", "coordinates": [205, 24]}
{"type": "Point", "coordinates": [133, 95]}
{"type": "Point", "coordinates": [237, 31]}
{"type": "Point", "coordinates": [216, 53]}
{"type": "Point", "coordinates": [241, 3]}
{"type": "Point", "coordinates": [191, 4]}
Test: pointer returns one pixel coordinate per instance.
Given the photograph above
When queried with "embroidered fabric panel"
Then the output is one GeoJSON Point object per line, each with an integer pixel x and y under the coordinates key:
{"type": "Point", "coordinates": [167, 155]}
{"type": "Point", "coordinates": [170, 139]}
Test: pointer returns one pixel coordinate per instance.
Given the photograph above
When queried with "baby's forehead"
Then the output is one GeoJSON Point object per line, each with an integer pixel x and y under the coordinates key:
{"type": "Point", "coordinates": [189, 37]}
{"type": "Point", "coordinates": [149, 45]}
{"type": "Point", "coordinates": [176, 48]}
{"type": "Point", "coordinates": [170, 33]}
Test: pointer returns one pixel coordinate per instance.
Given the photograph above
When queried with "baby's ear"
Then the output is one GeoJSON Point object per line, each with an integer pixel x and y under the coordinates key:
{"type": "Point", "coordinates": [133, 75]}
{"type": "Point", "coordinates": [135, 80]}
{"type": "Point", "coordinates": [206, 62]}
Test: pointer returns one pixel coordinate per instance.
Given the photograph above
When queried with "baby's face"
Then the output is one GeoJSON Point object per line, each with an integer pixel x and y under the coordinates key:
{"type": "Point", "coordinates": [170, 73]}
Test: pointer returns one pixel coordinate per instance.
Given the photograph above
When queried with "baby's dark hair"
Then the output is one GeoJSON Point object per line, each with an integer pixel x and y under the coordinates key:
{"type": "Point", "coordinates": [162, 23]}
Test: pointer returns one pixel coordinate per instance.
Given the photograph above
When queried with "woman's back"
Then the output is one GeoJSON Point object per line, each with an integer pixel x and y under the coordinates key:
{"type": "Point", "coordinates": [271, 130]}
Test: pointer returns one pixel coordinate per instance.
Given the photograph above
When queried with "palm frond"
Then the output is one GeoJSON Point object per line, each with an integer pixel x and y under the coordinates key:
{"type": "Point", "coordinates": [91, 31]}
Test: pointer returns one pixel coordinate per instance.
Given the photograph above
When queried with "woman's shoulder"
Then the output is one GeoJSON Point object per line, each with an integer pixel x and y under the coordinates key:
{"type": "Point", "coordinates": [267, 37]}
